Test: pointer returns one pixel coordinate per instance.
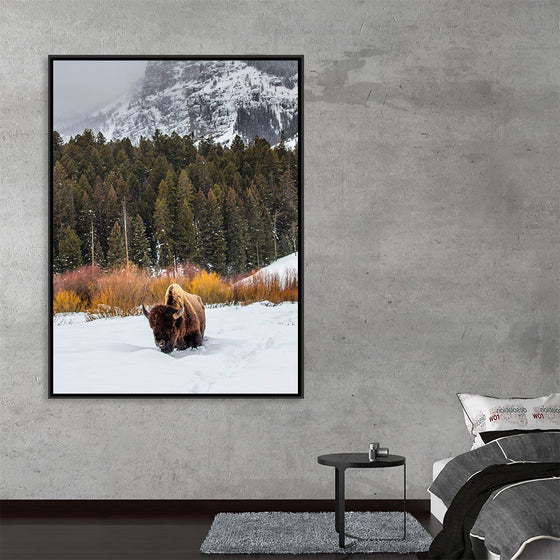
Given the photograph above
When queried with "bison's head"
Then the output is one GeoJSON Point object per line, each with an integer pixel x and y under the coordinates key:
{"type": "Point", "coordinates": [165, 321]}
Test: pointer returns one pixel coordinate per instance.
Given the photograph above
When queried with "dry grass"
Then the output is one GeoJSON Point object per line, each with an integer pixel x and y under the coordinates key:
{"type": "Point", "coordinates": [122, 292]}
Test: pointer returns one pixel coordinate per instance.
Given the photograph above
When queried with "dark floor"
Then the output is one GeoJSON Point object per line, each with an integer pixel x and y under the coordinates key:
{"type": "Point", "coordinates": [136, 539]}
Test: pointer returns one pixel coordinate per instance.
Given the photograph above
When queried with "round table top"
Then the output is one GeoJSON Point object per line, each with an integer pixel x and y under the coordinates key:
{"type": "Point", "coordinates": [359, 461]}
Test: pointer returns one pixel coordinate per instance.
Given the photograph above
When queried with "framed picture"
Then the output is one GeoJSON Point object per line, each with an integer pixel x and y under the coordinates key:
{"type": "Point", "coordinates": [175, 226]}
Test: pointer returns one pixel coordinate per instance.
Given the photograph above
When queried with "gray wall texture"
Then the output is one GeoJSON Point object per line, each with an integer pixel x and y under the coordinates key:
{"type": "Point", "coordinates": [431, 209]}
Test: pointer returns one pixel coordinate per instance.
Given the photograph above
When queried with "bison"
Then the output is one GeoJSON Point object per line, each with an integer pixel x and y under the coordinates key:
{"type": "Point", "coordinates": [180, 322]}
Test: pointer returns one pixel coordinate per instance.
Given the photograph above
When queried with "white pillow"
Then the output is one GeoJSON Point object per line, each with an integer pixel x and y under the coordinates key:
{"type": "Point", "coordinates": [490, 414]}
{"type": "Point", "coordinates": [477, 442]}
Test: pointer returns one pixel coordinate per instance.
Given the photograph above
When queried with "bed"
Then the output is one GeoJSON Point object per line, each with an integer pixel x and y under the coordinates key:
{"type": "Point", "coordinates": [501, 499]}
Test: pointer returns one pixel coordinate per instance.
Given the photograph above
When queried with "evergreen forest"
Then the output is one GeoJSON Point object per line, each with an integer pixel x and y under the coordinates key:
{"type": "Point", "coordinates": [171, 200]}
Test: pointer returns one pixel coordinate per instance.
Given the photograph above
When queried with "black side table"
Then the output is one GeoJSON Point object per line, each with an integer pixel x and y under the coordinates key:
{"type": "Point", "coordinates": [343, 461]}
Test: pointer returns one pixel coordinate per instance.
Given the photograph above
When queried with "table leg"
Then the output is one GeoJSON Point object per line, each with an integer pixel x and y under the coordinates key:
{"type": "Point", "coordinates": [339, 505]}
{"type": "Point", "coordinates": [404, 499]}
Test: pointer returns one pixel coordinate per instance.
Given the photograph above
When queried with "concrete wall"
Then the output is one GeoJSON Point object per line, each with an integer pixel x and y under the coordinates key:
{"type": "Point", "coordinates": [431, 244]}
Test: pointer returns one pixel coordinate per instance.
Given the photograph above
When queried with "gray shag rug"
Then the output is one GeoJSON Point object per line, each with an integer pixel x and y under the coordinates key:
{"type": "Point", "coordinates": [277, 532]}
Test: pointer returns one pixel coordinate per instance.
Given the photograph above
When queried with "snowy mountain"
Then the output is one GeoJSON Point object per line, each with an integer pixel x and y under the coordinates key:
{"type": "Point", "coordinates": [214, 99]}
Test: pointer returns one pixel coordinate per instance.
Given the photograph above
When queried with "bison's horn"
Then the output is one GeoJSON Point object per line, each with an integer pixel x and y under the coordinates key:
{"type": "Point", "coordinates": [145, 311]}
{"type": "Point", "coordinates": [178, 313]}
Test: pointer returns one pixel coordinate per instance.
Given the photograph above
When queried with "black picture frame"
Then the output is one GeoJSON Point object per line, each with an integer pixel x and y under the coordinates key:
{"type": "Point", "coordinates": [54, 391]}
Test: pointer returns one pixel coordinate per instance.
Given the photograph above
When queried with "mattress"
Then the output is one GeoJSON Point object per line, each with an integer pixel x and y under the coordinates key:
{"type": "Point", "coordinates": [437, 507]}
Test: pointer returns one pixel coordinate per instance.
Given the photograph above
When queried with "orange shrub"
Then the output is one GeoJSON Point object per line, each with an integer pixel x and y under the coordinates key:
{"type": "Point", "coordinates": [158, 287]}
{"type": "Point", "coordinates": [210, 287]}
{"type": "Point", "coordinates": [122, 292]}
{"type": "Point", "coordinates": [81, 281]}
{"type": "Point", "coordinates": [67, 301]}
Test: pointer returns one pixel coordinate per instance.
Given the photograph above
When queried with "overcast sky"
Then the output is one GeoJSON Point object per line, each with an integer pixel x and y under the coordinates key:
{"type": "Point", "coordinates": [81, 86]}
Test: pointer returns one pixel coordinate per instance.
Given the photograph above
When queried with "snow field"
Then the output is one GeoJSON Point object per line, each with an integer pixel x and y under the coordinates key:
{"type": "Point", "coordinates": [282, 269]}
{"type": "Point", "coordinates": [249, 349]}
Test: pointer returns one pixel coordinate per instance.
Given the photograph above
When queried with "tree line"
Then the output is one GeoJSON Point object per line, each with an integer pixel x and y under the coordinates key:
{"type": "Point", "coordinates": [172, 200]}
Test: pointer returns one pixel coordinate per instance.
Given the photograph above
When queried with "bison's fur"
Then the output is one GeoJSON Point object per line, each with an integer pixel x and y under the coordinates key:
{"type": "Point", "coordinates": [179, 322]}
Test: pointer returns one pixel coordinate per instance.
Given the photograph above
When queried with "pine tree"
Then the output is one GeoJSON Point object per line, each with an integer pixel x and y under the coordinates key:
{"type": "Point", "coordinates": [281, 148]}
{"type": "Point", "coordinates": [199, 207]}
{"type": "Point", "coordinates": [213, 239]}
{"type": "Point", "coordinates": [106, 160]}
{"type": "Point", "coordinates": [138, 249]}
{"type": "Point", "coordinates": [189, 148]}
{"type": "Point", "coordinates": [120, 186]}
{"type": "Point", "coordinates": [120, 158]}
{"type": "Point", "coordinates": [107, 210]}
{"type": "Point", "coordinates": [143, 167]}
{"type": "Point", "coordinates": [271, 166]}
{"type": "Point", "coordinates": [286, 215]}
{"type": "Point", "coordinates": [165, 227]}
{"type": "Point", "coordinates": [85, 185]}
{"type": "Point", "coordinates": [88, 240]}
{"type": "Point", "coordinates": [228, 173]}
{"type": "Point", "coordinates": [215, 175]}
{"type": "Point", "coordinates": [162, 233]}
{"type": "Point", "coordinates": [168, 189]}
{"type": "Point", "coordinates": [69, 157]}
{"type": "Point", "coordinates": [101, 223]}
{"type": "Point", "coordinates": [57, 146]}
{"type": "Point", "coordinates": [112, 205]}
{"type": "Point", "coordinates": [158, 172]}
{"type": "Point", "coordinates": [266, 190]}
{"type": "Point", "coordinates": [116, 252]}
{"type": "Point", "coordinates": [237, 149]}
{"type": "Point", "coordinates": [205, 147]}
{"type": "Point", "coordinates": [158, 140]}
{"type": "Point", "coordinates": [260, 247]}
{"type": "Point", "coordinates": [198, 173]}
{"type": "Point", "coordinates": [84, 220]}
{"type": "Point", "coordinates": [63, 202]}
{"type": "Point", "coordinates": [175, 150]}
{"type": "Point", "coordinates": [135, 195]}
{"type": "Point", "coordinates": [239, 184]}
{"type": "Point", "coordinates": [185, 187]}
{"type": "Point", "coordinates": [69, 249]}
{"type": "Point", "coordinates": [235, 227]}
{"type": "Point", "coordinates": [268, 236]}
{"type": "Point", "coordinates": [85, 140]}
{"type": "Point", "coordinates": [100, 256]}
{"type": "Point", "coordinates": [226, 208]}
{"type": "Point", "coordinates": [128, 148]}
{"type": "Point", "coordinates": [219, 193]}
{"type": "Point", "coordinates": [184, 231]}
{"type": "Point", "coordinates": [144, 160]}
